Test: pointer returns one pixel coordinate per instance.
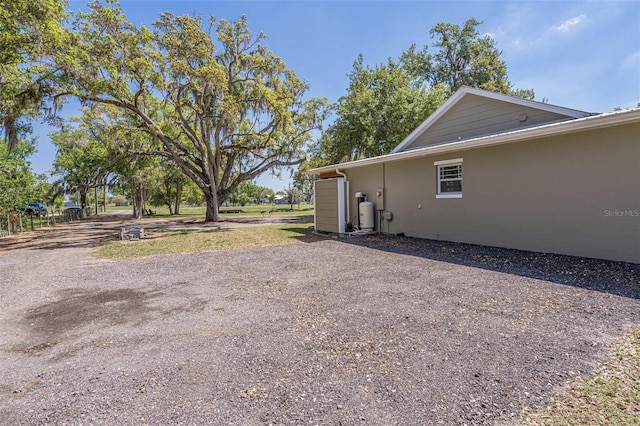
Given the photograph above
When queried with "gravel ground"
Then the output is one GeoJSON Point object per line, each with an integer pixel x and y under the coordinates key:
{"type": "Point", "coordinates": [367, 330]}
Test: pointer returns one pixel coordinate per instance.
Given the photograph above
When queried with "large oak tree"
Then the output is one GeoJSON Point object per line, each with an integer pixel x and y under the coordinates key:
{"type": "Point", "coordinates": [221, 105]}
{"type": "Point", "coordinates": [30, 32]}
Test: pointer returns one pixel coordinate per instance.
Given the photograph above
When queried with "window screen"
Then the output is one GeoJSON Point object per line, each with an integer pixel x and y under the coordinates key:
{"type": "Point", "coordinates": [450, 179]}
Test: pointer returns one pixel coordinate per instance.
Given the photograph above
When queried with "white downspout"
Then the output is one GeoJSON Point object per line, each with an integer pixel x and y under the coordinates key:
{"type": "Point", "coordinates": [344, 175]}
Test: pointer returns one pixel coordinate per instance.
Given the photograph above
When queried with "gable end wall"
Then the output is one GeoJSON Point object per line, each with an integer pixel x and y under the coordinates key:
{"type": "Point", "coordinates": [477, 116]}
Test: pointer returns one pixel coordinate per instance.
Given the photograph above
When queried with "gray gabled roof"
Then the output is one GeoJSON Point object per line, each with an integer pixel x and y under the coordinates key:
{"type": "Point", "coordinates": [466, 90]}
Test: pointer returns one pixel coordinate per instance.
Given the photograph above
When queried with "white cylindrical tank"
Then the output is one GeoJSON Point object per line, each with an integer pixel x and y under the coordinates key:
{"type": "Point", "coordinates": [366, 215]}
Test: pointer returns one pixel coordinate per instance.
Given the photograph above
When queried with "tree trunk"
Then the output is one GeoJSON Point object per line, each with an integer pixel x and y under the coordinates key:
{"type": "Point", "coordinates": [168, 200]}
{"type": "Point", "coordinates": [211, 199]}
{"type": "Point", "coordinates": [137, 203]}
{"type": "Point", "coordinates": [176, 208]}
{"type": "Point", "coordinates": [95, 193]}
{"type": "Point", "coordinates": [83, 198]}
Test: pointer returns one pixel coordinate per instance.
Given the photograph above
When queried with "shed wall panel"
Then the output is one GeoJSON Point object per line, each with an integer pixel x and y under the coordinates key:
{"type": "Point", "coordinates": [328, 217]}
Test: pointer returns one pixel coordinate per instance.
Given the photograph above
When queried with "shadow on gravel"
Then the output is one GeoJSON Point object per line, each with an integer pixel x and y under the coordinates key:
{"type": "Point", "coordinates": [82, 233]}
{"type": "Point", "coordinates": [304, 235]}
{"type": "Point", "coordinates": [75, 308]}
{"type": "Point", "coordinates": [618, 278]}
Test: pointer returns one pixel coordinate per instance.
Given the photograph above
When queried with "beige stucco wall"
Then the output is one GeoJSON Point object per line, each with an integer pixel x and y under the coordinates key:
{"type": "Point", "coordinates": [366, 180]}
{"type": "Point", "coordinates": [576, 194]}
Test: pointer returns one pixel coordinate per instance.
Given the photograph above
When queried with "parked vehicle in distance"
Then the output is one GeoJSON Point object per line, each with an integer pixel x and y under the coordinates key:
{"type": "Point", "coordinates": [71, 205]}
{"type": "Point", "coordinates": [72, 211]}
{"type": "Point", "coordinates": [36, 209]}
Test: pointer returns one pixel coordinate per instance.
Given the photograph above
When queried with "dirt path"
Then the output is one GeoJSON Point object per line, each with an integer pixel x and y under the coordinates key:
{"type": "Point", "coordinates": [99, 229]}
{"type": "Point", "coordinates": [376, 331]}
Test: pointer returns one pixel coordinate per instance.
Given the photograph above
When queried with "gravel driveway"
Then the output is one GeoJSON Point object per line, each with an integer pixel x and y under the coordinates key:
{"type": "Point", "coordinates": [376, 331]}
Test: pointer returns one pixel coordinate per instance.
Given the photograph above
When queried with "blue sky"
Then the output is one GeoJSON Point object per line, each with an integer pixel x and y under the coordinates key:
{"type": "Point", "coordinates": [578, 54]}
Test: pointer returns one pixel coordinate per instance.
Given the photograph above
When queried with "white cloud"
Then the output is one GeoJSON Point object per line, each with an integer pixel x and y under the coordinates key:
{"type": "Point", "coordinates": [589, 62]}
{"type": "Point", "coordinates": [524, 28]}
{"type": "Point", "coordinates": [632, 61]}
{"type": "Point", "coordinates": [570, 23]}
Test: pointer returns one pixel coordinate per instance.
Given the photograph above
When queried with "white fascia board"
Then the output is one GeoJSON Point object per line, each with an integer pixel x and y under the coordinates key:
{"type": "Point", "coordinates": [462, 91]}
{"type": "Point", "coordinates": [570, 112]}
{"type": "Point", "coordinates": [611, 119]}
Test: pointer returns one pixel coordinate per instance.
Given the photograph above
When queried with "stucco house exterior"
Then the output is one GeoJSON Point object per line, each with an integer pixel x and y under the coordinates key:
{"type": "Point", "coordinates": [496, 170]}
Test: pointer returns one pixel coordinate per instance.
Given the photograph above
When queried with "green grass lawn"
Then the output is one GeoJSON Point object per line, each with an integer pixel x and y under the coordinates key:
{"type": "Point", "coordinates": [111, 207]}
{"type": "Point", "coordinates": [610, 396]}
{"type": "Point", "coordinates": [251, 210]}
{"type": "Point", "coordinates": [212, 239]}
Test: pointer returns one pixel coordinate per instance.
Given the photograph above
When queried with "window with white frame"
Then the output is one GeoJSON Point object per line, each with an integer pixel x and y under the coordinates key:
{"type": "Point", "coordinates": [449, 175]}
